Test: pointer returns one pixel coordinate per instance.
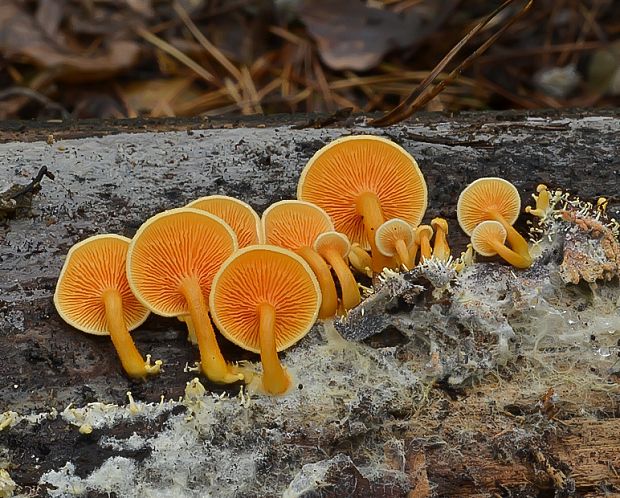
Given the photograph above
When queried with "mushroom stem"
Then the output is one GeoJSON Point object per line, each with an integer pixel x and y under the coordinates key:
{"type": "Point", "coordinates": [514, 238]}
{"type": "Point", "coordinates": [509, 255]}
{"type": "Point", "coordinates": [369, 208]}
{"type": "Point", "coordinates": [413, 252]}
{"type": "Point", "coordinates": [275, 379]}
{"type": "Point", "coordinates": [403, 254]}
{"type": "Point", "coordinates": [350, 291]}
{"type": "Point", "coordinates": [441, 250]}
{"type": "Point", "coordinates": [130, 357]}
{"type": "Point", "coordinates": [211, 360]}
{"type": "Point", "coordinates": [329, 303]}
{"type": "Point", "coordinates": [191, 331]}
{"type": "Point", "coordinates": [425, 247]}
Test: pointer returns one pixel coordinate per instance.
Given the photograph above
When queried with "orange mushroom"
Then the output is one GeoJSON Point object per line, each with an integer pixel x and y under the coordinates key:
{"type": "Point", "coordinates": [395, 237]}
{"type": "Point", "coordinates": [543, 202]}
{"type": "Point", "coordinates": [423, 235]}
{"type": "Point", "coordinates": [170, 267]}
{"type": "Point", "coordinates": [295, 225]}
{"type": "Point", "coordinates": [334, 248]}
{"type": "Point", "coordinates": [265, 299]}
{"type": "Point", "coordinates": [237, 214]}
{"type": "Point", "coordinates": [488, 239]}
{"type": "Point", "coordinates": [441, 249]}
{"type": "Point", "coordinates": [93, 295]}
{"type": "Point", "coordinates": [361, 181]}
{"type": "Point", "coordinates": [492, 199]}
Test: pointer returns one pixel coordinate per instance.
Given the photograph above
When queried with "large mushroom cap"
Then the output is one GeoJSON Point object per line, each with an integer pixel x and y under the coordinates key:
{"type": "Point", "coordinates": [264, 274]}
{"type": "Point", "coordinates": [172, 246]}
{"type": "Point", "coordinates": [92, 267]}
{"type": "Point", "coordinates": [483, 196]}
{"type": "Point", "coordinates": [342, 170]}
{"type": "Point", "coordinates": [292, 224]}
{"type": "Point", "coordinates": [486, 232]}
{"type": "Point", "coordinates": [239, 215]}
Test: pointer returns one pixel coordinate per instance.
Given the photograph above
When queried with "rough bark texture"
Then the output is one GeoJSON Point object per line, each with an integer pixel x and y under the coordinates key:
{"type": "Point", "coordinates": [116, 175]}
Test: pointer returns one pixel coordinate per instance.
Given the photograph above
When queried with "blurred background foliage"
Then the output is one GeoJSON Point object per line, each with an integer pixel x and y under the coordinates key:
{"type": "Point", "coordinates": [127, 58]}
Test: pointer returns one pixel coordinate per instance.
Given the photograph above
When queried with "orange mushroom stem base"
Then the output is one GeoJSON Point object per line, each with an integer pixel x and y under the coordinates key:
{"type": "Point", "coordinates": [510, 256]}
{"type": "Point", "coordinates": [369, 208]}
{"type": "Point", "coordinates": [514, 238]}
{"type": "Point", "coordinates": [425, 247]}
{"type": "Point", "coordinates": [211, 360]}
{"type": "Point", "coordinates": [329, 304]}
{"type": "Point", "coordinates": [275, 378]}
{"type": "Point", "coordinates": [403, 254]}
{"type": "Point", "coordinates": [130, 357]}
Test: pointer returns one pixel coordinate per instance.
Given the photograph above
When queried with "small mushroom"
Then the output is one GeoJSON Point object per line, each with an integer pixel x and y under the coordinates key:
{"type": "Point", "coordinates": [466, 259]}
{"type": "Point", "coordinates": [237, 214]}
{"type": "Point", "coordinates": [488, 239]}
{"type": "Point", "coordinates": [170, 267]}
{"type": "Point", "coordinates": [423, 235]}
{"type": "Point", "coordinates": [295, 225]}
{"type": "Point", "coordinates": [395, 238]}
{"type": "Point", "coordinates": [265, 299]}
{"type": "Point", "coordinates": [543, 202]}
{"type": "Point", "coordinates": [361, 181]}
{"type": "Point", "coordinates": [492, 199]}
{"type": "Point", "coordinates": [93, 295]}
{"type": "Point", "coordinates": [360, 260]}
{"type": "Point", "coordinates": [441, 249]}
{"type": "Point", "coordinates": [334, 248]}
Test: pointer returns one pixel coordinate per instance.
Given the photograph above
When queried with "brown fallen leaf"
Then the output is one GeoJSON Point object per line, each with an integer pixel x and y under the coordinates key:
{"type": "Point", "coordinates": [351, 35]}
{"type": "Point", "coordinates": [22, 40]}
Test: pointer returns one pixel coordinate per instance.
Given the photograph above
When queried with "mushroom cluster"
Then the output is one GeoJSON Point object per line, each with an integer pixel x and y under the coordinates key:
{"type": "Point", "coordinates": [264, 281]}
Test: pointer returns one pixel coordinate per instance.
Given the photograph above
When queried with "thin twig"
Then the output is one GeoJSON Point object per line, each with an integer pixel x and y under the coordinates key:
{"type": "Point", "coordinates": [420, 96]}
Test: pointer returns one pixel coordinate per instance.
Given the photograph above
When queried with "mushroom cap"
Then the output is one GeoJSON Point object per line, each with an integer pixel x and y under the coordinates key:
{"type": "Point", "coordinates": [93, 266]}
{"type": "Point", "coordinates": [484, 232]}
{"type": "Point", "coordinates": [485, 194]}
{"type": "Point", "coordinates": [427, 229]}
{"type": "Point", "coordinates": [239, 215]}
{"type": "Point", "coordinates": [342, 170]}
{"type": "Point", "coordinates": [392, 231]}
{"type": "Point", "coordinates": [441, 223]}
{"type": "Point", "coordinates": [172, 246]}
{"type": "Point", "coordinates": [264, 274]}
{"type": "Point", "coordinates": [292, 224]}
{"type": "Point", "coordinates": [335, 240]}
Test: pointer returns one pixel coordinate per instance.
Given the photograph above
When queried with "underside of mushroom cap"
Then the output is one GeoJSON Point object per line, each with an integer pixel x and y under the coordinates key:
{"type": "Point", "coordinates": [334, 240]}
{"type": "Point", "coordinates": [93, 266]}
{"type": "Point", "coordinates": [264, 274]}
{"type": "Point", "coordinates": [392, 231]}
{"type": "Point", "coordinates": [337, 175]}
{"type": "Point", "coordinates": [485, 232]}
{"type": "Point", "coordinates": [483, 196]}
{"type": "Point", "coordinates": [240, 216]}
{"type": "Point", "coordinates": [173, 246]}
{"type": "Point", "coordinates": [292, 224]}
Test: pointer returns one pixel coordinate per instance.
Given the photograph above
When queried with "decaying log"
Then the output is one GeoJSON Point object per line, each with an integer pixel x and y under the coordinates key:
{"type": "Point", "coordinates": [110, 177]}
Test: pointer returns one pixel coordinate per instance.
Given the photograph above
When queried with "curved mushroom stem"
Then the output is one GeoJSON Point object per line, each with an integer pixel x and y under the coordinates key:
{"type": "Point", "coordinates": [514, 238]}
{"type": "Point", "coordinates": [369, 208]}
{"type": "Point", "coordinates": [360, 260]}
{"type": "Point", "coordinates": [425, 247]}
{"type": "Point", "coordinates": [329, 302]}
{"type": "Point", "coordinates": [441, 250]}
{"type": "Point", "coordinates": [211, 360]}
{"type": "Point", "coordinates": [275, 379]}
{"type": "Point", "coordinates": [130, 357]}
{"type": "Point", "coordinates": [403, 254]}
{"type": "Point", "coordinates": [510, 256]}
{"type": "Point", "coordinates": [350, 291]}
